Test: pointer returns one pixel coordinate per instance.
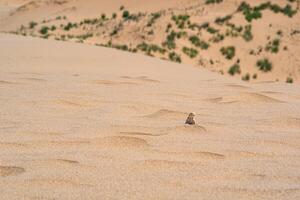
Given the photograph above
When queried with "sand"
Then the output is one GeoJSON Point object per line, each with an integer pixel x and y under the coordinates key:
{"type": "Point", "coordinates": [85, 122]}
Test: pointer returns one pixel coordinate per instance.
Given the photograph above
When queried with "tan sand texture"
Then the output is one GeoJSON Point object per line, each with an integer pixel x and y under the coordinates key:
{"type": "Point", "coordinates": [85, 122]}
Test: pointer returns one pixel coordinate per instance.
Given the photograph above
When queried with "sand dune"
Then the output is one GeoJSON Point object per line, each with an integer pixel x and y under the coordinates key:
{"type": "Point", "coordinates": [85, 122]}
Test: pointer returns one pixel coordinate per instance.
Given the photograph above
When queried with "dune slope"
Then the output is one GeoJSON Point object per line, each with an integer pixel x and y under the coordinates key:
{"type": "Point", "coordinates": [85, 122]}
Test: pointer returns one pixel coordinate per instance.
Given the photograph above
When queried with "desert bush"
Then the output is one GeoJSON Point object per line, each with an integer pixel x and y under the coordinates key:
{"type": "Point", "coordinates": [53, 28]}
{"type": "Point", "coordinates": [114, 16]}
{"type": "Point", "coordinates": [217, 38]}
{"type": "Point", "coordinates": [32, 24]}
{"type": "Point", "coordinates": [264, 65]}
{"type": "Point", "coordinates": [149, 48]}
{"type": "Point", "coordinates": [273, 46]}
{"type": "Point", "coordinates": [69, 26]}
{"type": "Point", "coordinates": [234, 69]}
{"type": "Point", "coordinates": [228, 52]}
{"type": "Point", "coordinates": [289, 80]}
{"type": "Point", "coordinates": [246, 77]}
{"type": "Point", "coordinates": [174, 57]}
{"type": "Point", "coordinates": [180, 20]}
{"type": "Point", "coordinates": [254, 76]}
{"type": "Point", "coordinates": [125, 14]}
{"type": "Point", "coordinates": [222, 20]}
{"type": "Point", "coordinates": [198, 43]}
{"type": "Point", "coordinates": [44, 30]}
{"type": "Point", "coordinates": [192, 53]}
{"type": "Point", "coordinates": [247, 35]}
{"type": "Point", "coordinates": [170, 41]}
{"type": "Point", "coordinates": [213, 1]}
{"type": "Point", "coordinates": [154, 17]}
{"type": "Point", "coordinates": [212, 30]}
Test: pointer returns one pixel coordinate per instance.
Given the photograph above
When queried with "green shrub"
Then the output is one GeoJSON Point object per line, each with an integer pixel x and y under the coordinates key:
{"type": "Point", "coordinates": [192, 53]}
{"type": "Point", "coordinates": [125, 14]}
{"type": "Point", "coordinates": [154, 17]}
{"type": "Point", "coordinates": [234, 69]}
{"type": "Point", "coordinates": [198, 43]}
{"type": "Point", "coordinates": [213, 1]}
{"type": "Point", "coordinates": [246, 77]}
{"type": "Point", "coordinates": [149, 48]}
{"type": "Point", "coordinates": [289, 80]}
{"type": "Point", "coordinates": [254, 76]}
{"type": "Point", "coordinates": [114, 16]}
{"type": "Point", "coordinates": [264, 65]}
{"type": "Point", "coordinates": [222, 20]}
{"type": "Point", "coordinates": [170, 41]}
{"type": "Point", "coordinates": [228, 52]}
{"type": "Point", "coordinates": [247, 35]}
{"type": "Point", "coordinates": [53, 28]}
{"type": "Point", "coordinates": [32, 25]}
{"type": "Point", "coordinates": [44, 30]}
{"type": "Point", "coordinates": [174, 57]}
{"type": "Point", "coordinates": [273, 46]}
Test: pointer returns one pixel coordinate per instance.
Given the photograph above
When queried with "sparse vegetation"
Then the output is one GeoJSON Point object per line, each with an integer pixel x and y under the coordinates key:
{"type": "Point", "coordinates": [246, 77]}
{"type": "Point", "coordinates": [32, 25]}
{"type": "Point", "coordinates": [273, 46]}
{"type": "Point", "coordinates": [247, 35]}
{"type": "Point", "coordinates": [174, 57]}
{"type": "Point", "coordinates": [264, 65]}
{"type": "Point", "coordinates": [154, 17]}
{"type": "Point", "coordinates": [149, 48]}
{"type": "Point", "coordinates": [213, 1]}
{"type": "Point", "coordinates": [234, 69]}
{"type": "Point", "coordinates": [198, 43]}
{"type": "Point", "coordinates": [180, 20]}
{"type": "Point", "coordinates": [44, 30]}
{"type": "Point", "coordinates": [192, 53]}
{"type": "Point", "coordinates": [228, 52]}
{"type": "Point", "coordinates": [289, 80]}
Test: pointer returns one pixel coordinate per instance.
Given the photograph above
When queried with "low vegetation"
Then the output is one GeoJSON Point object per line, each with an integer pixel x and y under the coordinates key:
{"type": "Point", "coordinates": [228, 52]}
{"type": "Point", "coordinates": [264, 65]}
{"type": "Point", "coordinates": [234, 69]}
{"type": "Point", "coordinates": [192, 53]}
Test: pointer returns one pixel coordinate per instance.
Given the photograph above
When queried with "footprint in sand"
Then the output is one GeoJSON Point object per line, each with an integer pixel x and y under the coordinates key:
{"type": "Point", "coordinates": [33, 79]}
{"type": "Point", "coordinates": [168, 114]}
{"type": "Point", "coordinates": [246, 97]}
{"type": "Point", "coordinates": [140, 78]}
{"type": "Point", "coordinates": [10, 171]}
{"type": "Point", "coordinates": [122, 142]}
{"type": "Point", "coordinates": [112, 83]}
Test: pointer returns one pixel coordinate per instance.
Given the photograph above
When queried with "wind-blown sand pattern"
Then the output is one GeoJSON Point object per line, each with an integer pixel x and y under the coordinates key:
{"type": "Point", "coordinates": [85, 122]}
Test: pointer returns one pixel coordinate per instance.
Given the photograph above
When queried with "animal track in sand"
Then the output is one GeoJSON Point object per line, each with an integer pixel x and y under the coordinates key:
{"type": "Point", "coordinates": [112, 83]}
{"type": "Point", "coordinates": [165, 164]}
{"type": "Point", "coordinates": [194, 155]}
{"type": "Point", "coordinates": [246, 97]}
{"type": "Point", "coordinates": [140, 133]}
{"type": "Point", "coordinates": [140, 78]}
{"type": "Point", "coordinates": [185, 129]}
{"type": "Point", "coordinates": [7, 83]}
{"type": "Point", "coordinates": [283, 122]}
{"type": "Point", "coordinates": [122, 142]}
{"type": "Point", "coordinates": [34, 79]}
{"type": "Point", "coordinates": [169, 114]}
{"type": "Point", "coordinates": [10, 171]}
{"type": "Point", "coordinates": [57, 182]}
{"type": "Point", "coordinates": [237, 86]}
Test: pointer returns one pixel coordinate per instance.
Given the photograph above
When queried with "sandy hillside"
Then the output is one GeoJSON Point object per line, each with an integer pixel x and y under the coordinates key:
{"type": "Point", "coordinates": [255, 40]}
{"type": "Point", "coordinates": [85, 122]}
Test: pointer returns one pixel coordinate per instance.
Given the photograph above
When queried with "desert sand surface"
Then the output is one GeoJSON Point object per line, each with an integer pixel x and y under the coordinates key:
{"type": "Point", "coordinates": [84, 122]}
